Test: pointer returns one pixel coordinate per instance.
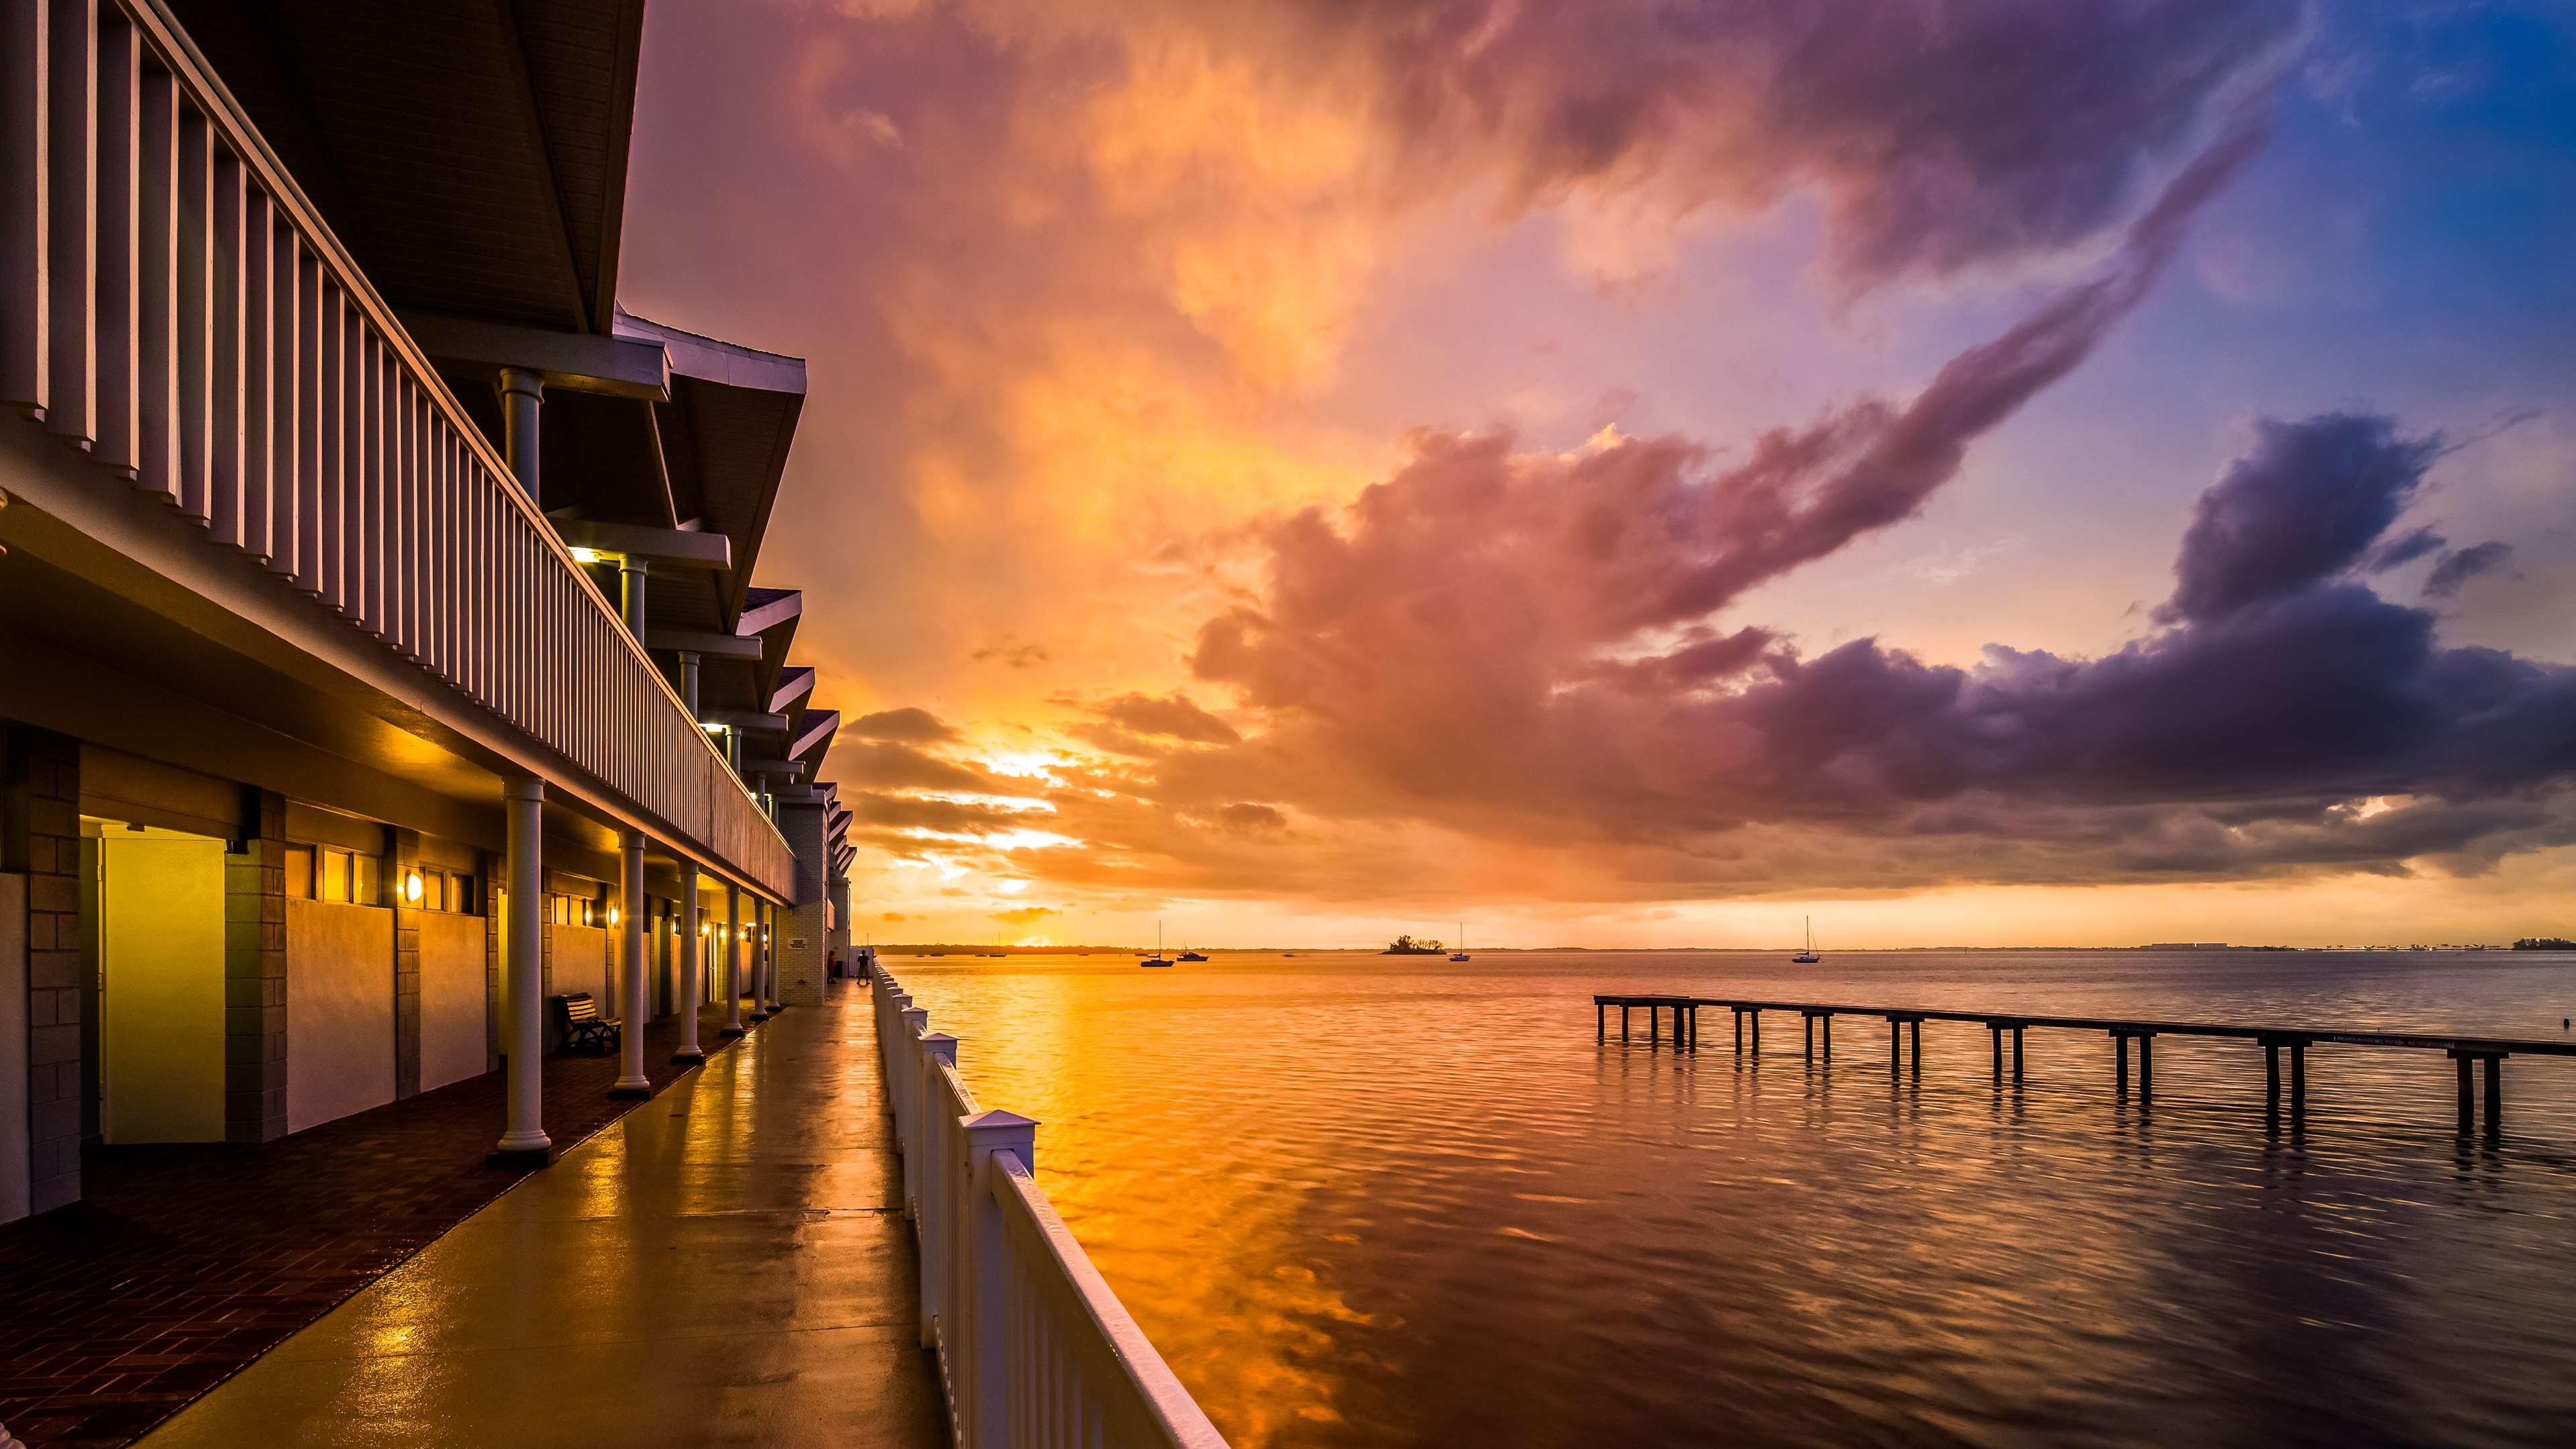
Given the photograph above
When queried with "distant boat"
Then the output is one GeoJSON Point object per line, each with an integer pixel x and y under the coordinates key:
{"type": "Point", "coordinates": [1461, 953]}
{"type": "Point", "coordinates": [1809, 957]}
{"type": "Point", "coordinates": [1157, 958]}
{"type": "Point", "coordinates": [1191, 956]}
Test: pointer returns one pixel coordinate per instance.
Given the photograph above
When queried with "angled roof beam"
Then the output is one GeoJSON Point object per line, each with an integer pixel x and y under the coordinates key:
{"type": "Point", "coordinates": [785, 769]}
{"type": "Point", "coordinates": [761, 618]}
{"type": "Point", "coordinates": [712, 646]}
{"type": "Point", "coordinates": [794, 683]}
{"type": "Point", "coordinates": [613, 366]}
{"type": "Point", "coordinates": [816, 736]}
{"type": "Point", "coordinates": [667, 547]}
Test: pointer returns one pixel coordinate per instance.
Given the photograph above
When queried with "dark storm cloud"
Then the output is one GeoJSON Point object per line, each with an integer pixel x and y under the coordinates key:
{"type": "Point", "coordinates": [2310, 502]}
{"type": "Point", "coordinates": [1942, 134]}
{"type": "Point", "coordinates": [2461, 565]}
{"type": "Point", "coordinates": [2286, 717]}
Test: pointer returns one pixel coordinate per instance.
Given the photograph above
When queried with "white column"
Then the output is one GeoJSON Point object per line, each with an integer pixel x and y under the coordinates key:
{"type": "Point", "coordinates": [631, 1081]}
{"type": "Point", "coordinates": [768, 960]}
{"type": "Point", "coordinates": [733, 959]}
{"type": "Point", "coordinates": [522, 963]}
{"type": "Point", "coordinates": [759, 930]}
{"type": "Point", "coordinates": [690, 991]}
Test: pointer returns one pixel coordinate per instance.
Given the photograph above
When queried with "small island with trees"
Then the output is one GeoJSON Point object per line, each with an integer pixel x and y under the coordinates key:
{"type": "Point", "coordinates": [2544, 943]}
{"type": "Point", "coordinates": [1407, 946]}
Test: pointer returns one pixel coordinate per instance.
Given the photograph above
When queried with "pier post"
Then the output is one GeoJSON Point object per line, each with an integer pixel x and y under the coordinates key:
{"type": "Point", "coordinates": [1810, 1024]}
{"type": "Point", "coordinates": [1895, 1045]}
{"type": "Point", "coordinates": [2272, 1080]}
{"type": "Point", "coordinates": [2467, 1093]}
{"type": "Point", "coordinates": [1829, 1036]}
{"type": "Point", "coordinates": [1997, 1034]}
{"type": "Point", "coordinates": [1756, 1014]}
{"type": "Point", "coordinates": [1694, 1020]}
{"type": "Point", "coordinates": [1654, 1024]}
{"type": "Point", "coordinates": [2298, 1080]}
{"type": "Point", "coordinates": [1739, 1029]}
{"type": "Point", "coordinates": [1623, 1021]}
{"type": "Point", "coordinates": [2120, 1050]}
{"type": "Point", "coordinates": [2146, 1064]}
{"type": "Point", "coordinates": [2016, 1056]}
{"type": "Point", "coordinates": [1600, 1022]}
{"type": "Point", "coordinates": [1914, 1029]}
{"type": "Point", "coordinates": [2495, 1097]}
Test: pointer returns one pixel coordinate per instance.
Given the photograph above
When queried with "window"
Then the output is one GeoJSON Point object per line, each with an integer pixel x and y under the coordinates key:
{"type": "Point", "coordinates": [433, 890]}
{"type": "Point", "coordinates": [299, 872]}
{"type": "Point", "coordinates": [460, 893]}
{"type": "Point", "coordinates": [335, 875]}
{"type": "Point", "coordinates": [366, 882]}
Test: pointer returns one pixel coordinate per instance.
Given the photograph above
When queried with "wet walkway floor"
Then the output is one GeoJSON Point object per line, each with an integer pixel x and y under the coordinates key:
{"type": "Point", "coordinates": [728, 1264]}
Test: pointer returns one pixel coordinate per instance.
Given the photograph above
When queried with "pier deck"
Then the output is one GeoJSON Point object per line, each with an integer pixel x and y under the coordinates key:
{"type": "Point", "coordinates": [2474, 1055]}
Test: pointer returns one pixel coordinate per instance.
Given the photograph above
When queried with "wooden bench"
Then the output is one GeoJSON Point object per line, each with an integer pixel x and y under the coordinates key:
{"type": "Point", "coordinates": [577, 1017]}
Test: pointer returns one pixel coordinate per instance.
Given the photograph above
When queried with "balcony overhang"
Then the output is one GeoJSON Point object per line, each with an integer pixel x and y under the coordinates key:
{"type": "Point", "coordinates": [782, 769]}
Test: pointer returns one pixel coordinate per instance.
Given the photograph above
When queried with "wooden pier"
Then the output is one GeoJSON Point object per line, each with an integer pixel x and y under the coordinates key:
{"type": "Point", "coordinates": [2475, 1057]}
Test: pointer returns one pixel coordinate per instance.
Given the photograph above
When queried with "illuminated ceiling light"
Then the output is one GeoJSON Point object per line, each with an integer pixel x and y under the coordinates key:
{"type": "Point", "coordinates": [587, 555]}
{"type": "Point", "coordinates": [711, 727]}
{"type": "Point", "coordinates": [411, 887]}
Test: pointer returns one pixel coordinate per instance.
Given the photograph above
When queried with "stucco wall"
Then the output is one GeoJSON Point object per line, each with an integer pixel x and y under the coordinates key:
{"type": "Point", "coordinates": [339, 1010]}
{"type": "Point", "coordinates": [13, 1047]}
{"type": "Point", "coordinates": [581, 964]}
{"type": "Point", "coordinates": [451, 998]}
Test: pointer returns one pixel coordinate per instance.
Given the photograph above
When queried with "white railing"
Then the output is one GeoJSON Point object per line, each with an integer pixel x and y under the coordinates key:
{"type": "Point", "coordinates": [1034, 1349]}
{"type": "Point", "coordinates": [172, 304]}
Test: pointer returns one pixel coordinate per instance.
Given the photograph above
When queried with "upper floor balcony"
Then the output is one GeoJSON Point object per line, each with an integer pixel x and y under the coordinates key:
{"type": "Point", "coordinates": [262, 480]}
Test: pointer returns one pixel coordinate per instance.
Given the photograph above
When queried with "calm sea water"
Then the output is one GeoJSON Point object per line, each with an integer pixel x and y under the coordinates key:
{"type": "Point", "coordinates": [1360, 1200]}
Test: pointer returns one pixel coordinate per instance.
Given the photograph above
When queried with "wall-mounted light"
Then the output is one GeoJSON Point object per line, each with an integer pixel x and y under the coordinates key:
{"type": "Point", "coordinates": [612, 915]}
{"type": "Point", "coordinates": [411, 887]}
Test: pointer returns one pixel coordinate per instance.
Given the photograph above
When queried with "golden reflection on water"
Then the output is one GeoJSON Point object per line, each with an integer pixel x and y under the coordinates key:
{"type": "Point", "coordinates": [1356, 1202]}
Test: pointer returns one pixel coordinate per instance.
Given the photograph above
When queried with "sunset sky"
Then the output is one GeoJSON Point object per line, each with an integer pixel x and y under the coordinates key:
{"type": "Point", "coordinates": [1640, 472]}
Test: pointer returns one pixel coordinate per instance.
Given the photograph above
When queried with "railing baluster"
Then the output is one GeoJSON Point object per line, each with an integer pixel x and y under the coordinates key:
{"type": "Point", "coordinates": [25, 226]}
{"type": "Point", "coordinates": [71, 180]}
{"type": "Point", "coordinates": [316, 508]}
{"type": "Point", "coordinates": [118, 373]}
{"type": "Point", "coordinates": [258, 358]}
{"type": "Point", "coordinates": [156, 283]}
{"type": "Point", "coordinates": [224, 345]}
{"type": "Point", "coordinates": [195, 222]}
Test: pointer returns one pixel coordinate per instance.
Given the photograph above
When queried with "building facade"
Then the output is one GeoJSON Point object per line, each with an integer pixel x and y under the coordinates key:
{"type": "Point", "coordinates": [379, 655]}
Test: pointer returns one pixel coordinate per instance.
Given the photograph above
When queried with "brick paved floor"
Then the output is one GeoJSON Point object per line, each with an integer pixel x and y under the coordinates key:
{"type": "Point", "coordinates": [182, 1264]}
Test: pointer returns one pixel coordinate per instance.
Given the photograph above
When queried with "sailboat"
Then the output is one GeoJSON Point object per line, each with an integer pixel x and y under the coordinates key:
{"type": "Point", "coordinates": [1157, 958]}
{"type": "Point", "coordinates": [1461, 953]}
{"type": "Point", "coordinates": [1809, 957]}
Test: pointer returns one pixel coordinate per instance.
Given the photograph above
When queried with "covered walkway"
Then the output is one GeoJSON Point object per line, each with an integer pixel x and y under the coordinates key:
{"type": "Point", "coordinates": [728, 1264]}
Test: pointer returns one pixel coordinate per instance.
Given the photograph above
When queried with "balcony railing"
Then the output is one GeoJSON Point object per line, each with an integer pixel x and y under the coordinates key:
{"type": "Point", "coordinates": [171, 301]}
{"type": "Point", "coordinates": [1034, 1348]}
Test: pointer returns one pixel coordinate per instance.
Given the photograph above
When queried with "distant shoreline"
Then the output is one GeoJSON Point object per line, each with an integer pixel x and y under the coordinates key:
{"type": "Point", "coordinates": [2535, 945]}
